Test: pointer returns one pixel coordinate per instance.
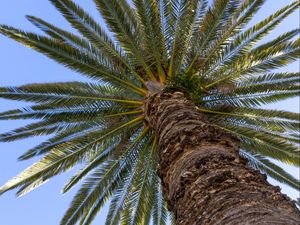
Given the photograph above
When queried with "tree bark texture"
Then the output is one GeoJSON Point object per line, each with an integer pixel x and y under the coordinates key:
{"type": "Point", "coordinates": [204, 179]}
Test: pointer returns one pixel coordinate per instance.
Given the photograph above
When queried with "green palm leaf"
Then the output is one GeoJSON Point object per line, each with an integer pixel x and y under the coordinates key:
{"type": "Point", "coordinates": [114, 169]}
{"type": "Point", "coordinates": [66, 157]}
{"type": "Point", "coordinates": [149, 16]}
{"type": "Point", "coordinates": [125, 32]}
{"type": "Point", "coordinates": [243, 42]}
{"type": "Point", "coordinates": [209, 28]}
{"type": "Point", "coordinates": [276, 172]}
{"type": "Point", "coordinates": [265, 144]}
{"type": "Point", "coordinates": [124, 191]}
{"type": "Point", "coordinates": [93, 32]}
{"type": "Point", "coordinates": [65, 136]}
{"type": "Point", "coordinates": [64, 36]}
{"type": "Point", "coordinates": [187, 14]}
{"type": "Point", "coordinates": [68, 56]}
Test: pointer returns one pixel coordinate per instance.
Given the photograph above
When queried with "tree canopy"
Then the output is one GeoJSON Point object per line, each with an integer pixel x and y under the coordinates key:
{"type": "Point", "coordinates": [203, 49]}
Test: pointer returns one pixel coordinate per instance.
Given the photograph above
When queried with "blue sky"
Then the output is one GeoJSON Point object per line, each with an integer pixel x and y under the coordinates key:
{"type": "Point", "coordinates": [20, 65]}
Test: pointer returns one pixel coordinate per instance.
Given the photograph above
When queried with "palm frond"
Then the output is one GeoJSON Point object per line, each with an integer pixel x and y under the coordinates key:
{"type": "Point", "coordinates": [70, 93]}
{"type": "Point", "coordinates": [149, 17]}
{"type": "Point", "coordinates": [258, 31]}
{"type": "Point", "coordinates": [88, 196]}
{"type": "Point", "coordinates": [126, 33]}
{"type": "Point", "coordinates": [186, 19]}
{"type": "Point", "coordinates": [273, 82]}
{"type": "Point", "coordinates": [69, 115]}
{"type": "Point", "coordinates": [249, 100]}
{"type": "Point", "coordinates": [262, 143]}
{"type": "Point", "coordinates": [143, 195]}
{"type": "Point", "coordinates": [160, 211]}
{"type": "Point", "coordinates": [25, 189]}
{"type": "Point", "coordinates": [90, 29]}
{"type": "Point", "coordinates": [243, 42]}
{"type": "Point", "coordinates": [267, 78]}
{"type": "Point", "coordinates": [263, 164]}
{"type": "Point", "coordinates": [273, 58]}
{"type": "Point", "coordinates": [122, 195]}
{"type": "Point", "coordinates": [121, 189]}
{"type": "Point", "coordinates": [44, 127]}
{"type": "Point", "coordinates": [63, 158]}
{"type": "Point", "coordinates": [271, 55]}
{"type": "Point", "coordinates": [69, 57]}
{"type": "Point", "coordinates": [283, 38]}
{"type": "Point", "coordinates": [169, 16]}
{"type": "Point", "coordinates": [214, 21]}
{"type": "Point", "coordinates": [65, 36]}
{"type": "Point", "coordinates": [241, 15]}
{"type": "Point", "coordinates": [272, 119]}
{"type": "Point", "coordinates": [95, 162]}
{"type": "Point", "coordinates": [67, 135]}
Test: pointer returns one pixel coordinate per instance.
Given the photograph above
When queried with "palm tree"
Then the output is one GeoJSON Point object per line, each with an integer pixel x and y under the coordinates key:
{"type": "Point", "coordinates": [171, 118]}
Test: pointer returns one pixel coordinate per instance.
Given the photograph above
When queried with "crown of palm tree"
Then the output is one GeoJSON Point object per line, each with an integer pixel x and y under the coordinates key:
{"type": "Point", "coordinates": [204, 50]}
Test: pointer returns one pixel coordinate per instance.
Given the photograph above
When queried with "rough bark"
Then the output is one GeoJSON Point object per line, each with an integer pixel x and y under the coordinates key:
{"type": "Point", "coordinates": [204, 179]}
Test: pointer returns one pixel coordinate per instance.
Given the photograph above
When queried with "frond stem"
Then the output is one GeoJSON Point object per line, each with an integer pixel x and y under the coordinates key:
{"type": "Point", "coordinates": [124, 113]}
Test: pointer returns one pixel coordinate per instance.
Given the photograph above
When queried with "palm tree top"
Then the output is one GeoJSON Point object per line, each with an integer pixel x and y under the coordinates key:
{"type": "Point", "coordinates": [202, 49]}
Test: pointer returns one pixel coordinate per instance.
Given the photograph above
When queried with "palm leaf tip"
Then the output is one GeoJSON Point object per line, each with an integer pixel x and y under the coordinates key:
{"type": "Point", "coordinates": [2, 190]}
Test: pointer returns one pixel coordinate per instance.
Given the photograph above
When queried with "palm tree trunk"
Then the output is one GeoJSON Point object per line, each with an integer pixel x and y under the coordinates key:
{"type": "Point", "coordinates": [204, 179]}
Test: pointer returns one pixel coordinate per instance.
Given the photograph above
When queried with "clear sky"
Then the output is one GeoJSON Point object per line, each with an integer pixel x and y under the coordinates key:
{"type": "Point", "coordinates": [20, 65]}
